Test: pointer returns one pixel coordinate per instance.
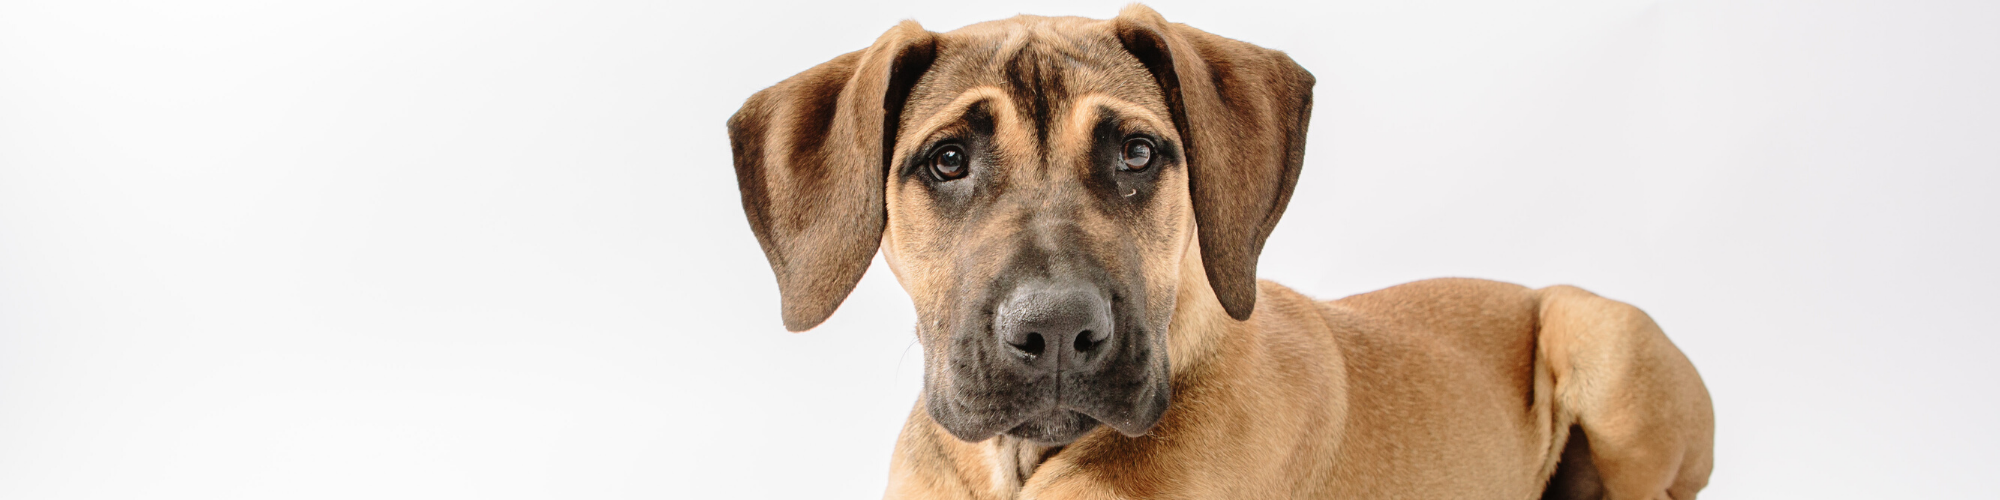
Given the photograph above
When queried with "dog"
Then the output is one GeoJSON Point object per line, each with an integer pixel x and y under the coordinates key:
{"type": "Point", "coordinates": [1076, 207]}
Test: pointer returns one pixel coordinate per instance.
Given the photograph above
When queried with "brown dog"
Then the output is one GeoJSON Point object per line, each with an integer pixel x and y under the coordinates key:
{"type": "Point", "coordinates": [1076, 207]}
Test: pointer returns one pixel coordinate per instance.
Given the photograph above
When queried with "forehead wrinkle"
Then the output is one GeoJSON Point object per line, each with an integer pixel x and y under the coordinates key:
{"type": "Point", "coordinates": [953, 113]}
{"type": "Point", "coordinates": [1083, 116]}
{"type": "Point", "coordinates": [1008, 49]}
{"type": "Point", "coordinates": [1044, 37]}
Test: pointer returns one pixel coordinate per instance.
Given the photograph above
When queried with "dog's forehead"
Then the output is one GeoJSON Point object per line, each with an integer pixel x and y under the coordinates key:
{"type": "Point", "coordinates": [1039, 64]}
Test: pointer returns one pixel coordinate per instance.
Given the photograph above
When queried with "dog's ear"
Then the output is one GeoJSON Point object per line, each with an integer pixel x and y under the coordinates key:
{"type": "Point", "coordinates": [1241, 111]}
{"type": "Point", "coordinates": [811, 157]}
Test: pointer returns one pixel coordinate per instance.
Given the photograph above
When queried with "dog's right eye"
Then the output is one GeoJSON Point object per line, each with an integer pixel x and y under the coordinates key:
{"type": "Point", "coordinates": [1137, 156]}
{"type": "Point", "coordinates": [948, 163]}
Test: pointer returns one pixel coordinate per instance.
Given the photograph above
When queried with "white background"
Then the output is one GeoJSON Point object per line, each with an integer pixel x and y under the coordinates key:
{"type": "Point", "coordinates": [494, 249]}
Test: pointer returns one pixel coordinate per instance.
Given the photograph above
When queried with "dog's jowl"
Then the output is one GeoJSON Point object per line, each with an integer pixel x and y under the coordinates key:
{"type": "Point", "coordinates": [1076, 207]}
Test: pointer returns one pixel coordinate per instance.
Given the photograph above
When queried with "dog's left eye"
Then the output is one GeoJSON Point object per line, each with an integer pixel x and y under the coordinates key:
{"type": "Point", "coordinates": [948, 163]}
{"type": "Point", "coordinates": [1137, 156]}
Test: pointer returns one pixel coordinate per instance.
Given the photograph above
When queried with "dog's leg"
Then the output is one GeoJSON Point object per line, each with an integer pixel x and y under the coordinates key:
{"type": "Point", "coordinates": [930, 464]}
{"type": "Point", "coordinates": [1636, 398]}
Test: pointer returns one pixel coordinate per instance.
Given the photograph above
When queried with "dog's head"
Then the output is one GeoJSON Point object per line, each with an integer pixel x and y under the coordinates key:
{"type": "Point", "coordinates": [1036, 185]}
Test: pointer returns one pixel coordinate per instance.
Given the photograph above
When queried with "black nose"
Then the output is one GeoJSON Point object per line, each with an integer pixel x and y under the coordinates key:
{"type": "Point", "coordinates": [1054, 326]}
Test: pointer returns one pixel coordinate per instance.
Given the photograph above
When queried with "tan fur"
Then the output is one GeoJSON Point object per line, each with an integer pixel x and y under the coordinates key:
{"type": "Point", "coordinates": [1450, 388]}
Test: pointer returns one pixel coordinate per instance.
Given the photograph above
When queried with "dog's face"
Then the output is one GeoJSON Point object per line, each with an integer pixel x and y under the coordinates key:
{"type": "Point", "coordinates": [1038, 212]}
{"type": "Point", "coordinates": [1035, 183]}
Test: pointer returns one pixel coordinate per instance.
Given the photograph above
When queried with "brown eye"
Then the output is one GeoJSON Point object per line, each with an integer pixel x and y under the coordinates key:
{"type": "Point", "coordinates": [948, 163]}
{"type": "Point", "coordinates": [1138, 155]}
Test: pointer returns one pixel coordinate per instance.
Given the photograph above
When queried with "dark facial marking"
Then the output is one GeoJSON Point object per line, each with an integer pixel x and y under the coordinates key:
{"type": "Point", "coordinates": [1036, 81]}
{"type": "Point", "coordinates": [908, 68]}
{"type": "Point", "coordinates": [955, 190]}
{"type": "Point", "coordinates": [1124, 188]}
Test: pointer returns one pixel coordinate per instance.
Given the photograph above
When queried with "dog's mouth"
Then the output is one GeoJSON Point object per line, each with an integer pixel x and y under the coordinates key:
{"type": "Point", "coordinates": [1049, 413]}
{"type": "Point", "coordinates": [1055, 428]}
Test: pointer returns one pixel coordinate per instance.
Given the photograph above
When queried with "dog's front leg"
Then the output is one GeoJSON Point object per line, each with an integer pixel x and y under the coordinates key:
{"type": "Point", "coordinates": [1071, 488]}
{"type": "Point", "coordinates": [931, 464]}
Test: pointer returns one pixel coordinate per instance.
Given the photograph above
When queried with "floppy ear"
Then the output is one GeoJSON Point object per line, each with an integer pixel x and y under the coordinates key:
{"type": "Point", "coordinates": [1241, 111]}
{"type": "Point", "coordinates": [811, 155]}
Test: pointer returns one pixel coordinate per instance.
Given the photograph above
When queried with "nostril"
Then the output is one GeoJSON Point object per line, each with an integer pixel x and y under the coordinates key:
{"type": "Point", "coordinates": [1031, 345]}
{"type": "Point", "coordinates": [1089, 340]}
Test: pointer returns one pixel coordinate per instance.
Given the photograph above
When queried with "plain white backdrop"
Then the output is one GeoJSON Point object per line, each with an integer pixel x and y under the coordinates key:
{"type": "Point", "coordinates": [494, 249]}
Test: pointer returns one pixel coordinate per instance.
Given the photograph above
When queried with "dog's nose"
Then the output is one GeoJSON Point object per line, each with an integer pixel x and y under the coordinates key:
{"type": "Point", "coordinates": [1054, 326]}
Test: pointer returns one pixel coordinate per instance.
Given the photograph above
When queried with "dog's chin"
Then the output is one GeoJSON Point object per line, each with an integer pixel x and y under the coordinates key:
{"type": "Point", "coordinates": [1057, 428]}
{"type": "Point", "coordinates": [1050, 424]}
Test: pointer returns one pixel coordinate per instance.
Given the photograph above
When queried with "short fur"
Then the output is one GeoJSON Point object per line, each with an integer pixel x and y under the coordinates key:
{"type": "Point", "coordinates": [1214, 384]}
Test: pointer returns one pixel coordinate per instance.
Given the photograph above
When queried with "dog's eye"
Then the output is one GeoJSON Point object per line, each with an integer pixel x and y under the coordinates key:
{"type": "Point", "coordinates": [948, 163]}
{"type": "Point", "coordinates": [1137, 156]}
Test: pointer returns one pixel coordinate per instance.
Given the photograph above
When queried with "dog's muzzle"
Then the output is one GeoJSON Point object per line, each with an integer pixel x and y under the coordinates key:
{"type": "Point", "coordinates": [1051, 362]}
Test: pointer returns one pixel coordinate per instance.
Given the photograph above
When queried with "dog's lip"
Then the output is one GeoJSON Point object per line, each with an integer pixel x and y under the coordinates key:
{"type": "Point", "coordinates": [1126, 426]}
{"type": "Point", "coordinates": [977, 424]}
{"type": "Point", "coordinates": [1127, 422]}
{"type": "Point", "coordinates": [1051, 409]}
{"type": "Point", "coordinates": [1052, 419]}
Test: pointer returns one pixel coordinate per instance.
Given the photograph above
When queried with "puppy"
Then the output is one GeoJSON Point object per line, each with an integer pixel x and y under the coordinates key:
{"type": "Point", "coordinates": [1076, 208]}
